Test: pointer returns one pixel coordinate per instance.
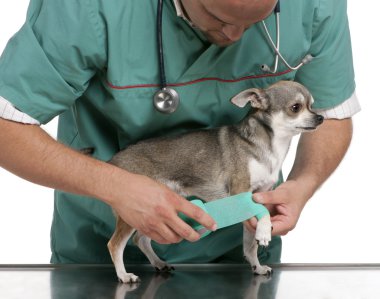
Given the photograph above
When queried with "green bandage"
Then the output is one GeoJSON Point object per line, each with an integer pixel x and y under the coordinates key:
{"type": "Point", "coordinates": [227, 211]}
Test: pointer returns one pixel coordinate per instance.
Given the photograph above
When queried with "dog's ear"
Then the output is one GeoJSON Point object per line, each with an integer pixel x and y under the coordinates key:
{"type": "Point", "coordinates": [255, 96]}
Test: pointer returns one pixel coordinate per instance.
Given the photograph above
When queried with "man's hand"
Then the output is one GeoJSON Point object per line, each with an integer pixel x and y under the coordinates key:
{"type": "Point", "coordinates": [284, 204]}
{"type": "Point", "coordinates": [148, 206]}
{"type": "Point", "coordinates": [318, 155]}
{"type": "Point", "coordinates": [153, 209]}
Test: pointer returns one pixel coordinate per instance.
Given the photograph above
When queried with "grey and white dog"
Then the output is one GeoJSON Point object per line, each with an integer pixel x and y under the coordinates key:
{"type": "Point", "coordinates": [221, 162]}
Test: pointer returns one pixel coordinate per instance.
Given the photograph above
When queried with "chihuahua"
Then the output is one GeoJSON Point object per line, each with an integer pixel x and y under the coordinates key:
{"type": "Point", "coordinates": [220, 162]}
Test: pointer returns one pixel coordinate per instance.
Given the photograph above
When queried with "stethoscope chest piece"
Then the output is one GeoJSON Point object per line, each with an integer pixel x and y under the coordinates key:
{"type": "Point", "coordinates": [166, 100]}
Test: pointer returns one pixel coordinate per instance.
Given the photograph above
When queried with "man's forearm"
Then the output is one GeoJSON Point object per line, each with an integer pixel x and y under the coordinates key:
{"type": "Point", "coordinates": [29, 152]}
{"type": "Point", "coordinates": [319, 154]}
{"type": "Point", "coordinates": [143, 203]}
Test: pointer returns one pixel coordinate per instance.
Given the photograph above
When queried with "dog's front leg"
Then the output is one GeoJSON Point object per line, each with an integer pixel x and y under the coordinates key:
{"type": "Point", "coordinates": [116, 247]}
{"type": "Point", "coordinates": [251, 244]}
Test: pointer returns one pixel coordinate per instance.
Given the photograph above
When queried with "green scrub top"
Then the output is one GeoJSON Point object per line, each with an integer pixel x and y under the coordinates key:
{"type": "Point", "coordinates": [94, 63]}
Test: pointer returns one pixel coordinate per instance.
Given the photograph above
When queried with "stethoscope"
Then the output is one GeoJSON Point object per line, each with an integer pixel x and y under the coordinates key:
{"type": "Point", "coordinates": [276, 47]}
{"type": "Point", "coordinates": [166, 99]}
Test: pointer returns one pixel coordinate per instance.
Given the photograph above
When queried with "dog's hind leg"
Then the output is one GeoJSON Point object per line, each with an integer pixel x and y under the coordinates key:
{"type": "Point", "coordinates": [145, 245]}
{"type": "Point", "coordinates": [116, 247]}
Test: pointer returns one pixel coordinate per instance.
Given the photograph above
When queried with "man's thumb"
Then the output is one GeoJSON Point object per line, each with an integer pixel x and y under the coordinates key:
{"type": "Point", "coordinates": [264, 197]}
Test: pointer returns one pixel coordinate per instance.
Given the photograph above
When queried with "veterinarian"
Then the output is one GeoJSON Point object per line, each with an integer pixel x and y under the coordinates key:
{"type": "Point", "coordinates": [95, 64]}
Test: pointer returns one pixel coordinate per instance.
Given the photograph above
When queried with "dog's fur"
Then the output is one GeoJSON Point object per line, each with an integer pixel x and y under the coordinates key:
{"type": "Point", "coordinates": [221, 162]}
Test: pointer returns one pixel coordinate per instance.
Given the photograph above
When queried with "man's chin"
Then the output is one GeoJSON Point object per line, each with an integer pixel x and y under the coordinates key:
{"type": "Point", "coordinates": [224, 44]}
{"type": "Point", "coordinates": [219, 41]}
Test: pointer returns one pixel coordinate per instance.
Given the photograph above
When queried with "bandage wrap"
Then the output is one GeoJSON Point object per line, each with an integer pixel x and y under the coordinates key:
{"type": "Point", "coordinates": [227, 211]}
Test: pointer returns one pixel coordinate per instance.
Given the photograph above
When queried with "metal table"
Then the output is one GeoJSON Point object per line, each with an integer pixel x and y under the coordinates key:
{"type": "Point", "coordinates": [192, 281]}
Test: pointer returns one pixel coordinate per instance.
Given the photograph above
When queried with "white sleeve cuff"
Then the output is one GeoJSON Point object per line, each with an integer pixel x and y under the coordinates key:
{"type": "Point", "coordinates": [347, 109]}
{"type": "Point", "coordinates": [9, 112]}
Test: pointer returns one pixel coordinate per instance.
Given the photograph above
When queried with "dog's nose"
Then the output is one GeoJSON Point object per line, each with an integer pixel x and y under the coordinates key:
{"type": "Point", "coordinates": [320, 119]}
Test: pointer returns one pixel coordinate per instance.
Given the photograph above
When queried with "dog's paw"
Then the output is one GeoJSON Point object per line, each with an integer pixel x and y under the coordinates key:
{"type": "Point", "coordinates": [262, 270]}
{"type": "Point", "coordinates": [165, 268]}
{"type": "Point", "coordinates": [128, 278]}
{"type": "Point", "coordinates": [264, 231]}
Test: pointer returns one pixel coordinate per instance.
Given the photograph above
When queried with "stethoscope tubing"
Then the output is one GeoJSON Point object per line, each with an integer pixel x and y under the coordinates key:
{"type": "Point", "coordinates": [160, 46]}
{"type": "Point", "coordinates": [276, 47]}
{"type": "Point", "coordinates": [166, 99]}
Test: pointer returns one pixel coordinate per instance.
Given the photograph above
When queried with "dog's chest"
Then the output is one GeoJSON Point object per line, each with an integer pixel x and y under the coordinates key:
{"type": "Point", "coordinates": [262, 178]}
{"type": "Point", "coordinates": [263, 175]}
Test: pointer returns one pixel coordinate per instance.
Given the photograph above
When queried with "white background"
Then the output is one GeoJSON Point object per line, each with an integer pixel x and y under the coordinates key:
{"type": "Point", "coordinates": [339, 224]}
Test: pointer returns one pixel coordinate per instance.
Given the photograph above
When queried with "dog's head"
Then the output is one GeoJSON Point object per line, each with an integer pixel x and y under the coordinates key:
{"type": "Point", "coordinates": [285, 106]}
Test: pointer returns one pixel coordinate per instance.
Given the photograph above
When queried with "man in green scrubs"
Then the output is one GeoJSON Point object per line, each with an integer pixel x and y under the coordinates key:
{"type": "Point", "coordinates": [94, 63]}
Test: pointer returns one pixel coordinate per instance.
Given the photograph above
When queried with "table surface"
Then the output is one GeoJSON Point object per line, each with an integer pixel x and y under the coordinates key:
{"type": "Point", "coordinates": [306, 281]}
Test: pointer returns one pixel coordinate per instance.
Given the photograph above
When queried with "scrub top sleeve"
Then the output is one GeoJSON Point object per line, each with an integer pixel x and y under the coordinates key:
{"type": "Point", "coordinates": [49, 63]}
{"type": "Point", "coordinates": [330, 75]}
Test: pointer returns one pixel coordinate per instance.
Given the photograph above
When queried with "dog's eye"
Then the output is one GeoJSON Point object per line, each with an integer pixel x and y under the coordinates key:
{"type": "Point", "coordinates": [296, 108]}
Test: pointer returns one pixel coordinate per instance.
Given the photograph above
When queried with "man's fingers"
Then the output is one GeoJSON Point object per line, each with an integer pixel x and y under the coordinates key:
{"type": "Point", "coordinates": [263, 198]}
{"type": "Point", "coordinates": [197, 214]}
{"type": "Point", "coordinates": [157, 237]}
{"type": "Point", "coordinates": [279, 229]}
{"type": "Point", "coordinates": [251, 224]}
{"type": "Point", "coordinates": [274, 197]}
{"type": "Point", "coordinates": [183, 230]}
{"type": "Point", "coordinates": [281, 225]}
{"type": "Point", "coordinates": [170, 235]}
{"type": "Point", "coordinates": [163, 234]}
